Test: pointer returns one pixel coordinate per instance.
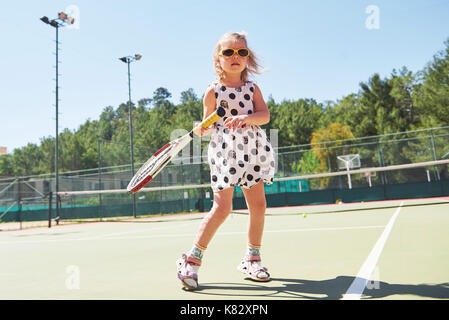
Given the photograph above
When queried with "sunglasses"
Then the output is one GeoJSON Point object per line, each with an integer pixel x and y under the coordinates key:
{"type": "Point", "coordinates": [243, 52]}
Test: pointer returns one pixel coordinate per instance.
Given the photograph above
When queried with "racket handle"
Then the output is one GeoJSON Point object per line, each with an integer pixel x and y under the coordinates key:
{"type": "Point", "coordinates": [206, 123]}
{"type": "Point", "coordinates": [220, 112]}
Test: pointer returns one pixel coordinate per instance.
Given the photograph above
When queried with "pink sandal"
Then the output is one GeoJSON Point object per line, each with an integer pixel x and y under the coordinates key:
{"type": "Point", "coordinates": [251, 266]}
{"type": "Point", "coordinates": [188, 271]}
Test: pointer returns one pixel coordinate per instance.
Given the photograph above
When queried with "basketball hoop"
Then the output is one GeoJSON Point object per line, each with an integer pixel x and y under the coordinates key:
{"type": "Point", "coordinates": [347, 162]}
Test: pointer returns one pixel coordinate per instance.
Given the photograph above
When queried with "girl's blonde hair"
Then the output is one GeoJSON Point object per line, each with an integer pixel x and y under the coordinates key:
{"type": "Point", "coordinates": [252, 67]}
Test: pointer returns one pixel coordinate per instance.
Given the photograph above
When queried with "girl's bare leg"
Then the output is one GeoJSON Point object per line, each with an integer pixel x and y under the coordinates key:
{"type": "Point", "coordinates": [255, 199]}
{"type": "Point", "coordinates": [212, 221]}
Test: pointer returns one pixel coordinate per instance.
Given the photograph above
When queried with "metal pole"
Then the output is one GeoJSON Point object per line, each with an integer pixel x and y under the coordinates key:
{"type": "Point", "coordinates": [50, 196]}
{"type": "Point", "coordinates": [56, 141]}
{"type": "Point", "coordinates": [99, 180]}
{"type": "Point", "coordinates": [349, 175]}
{"type": "Point", "coordinates": [382, 176]}
{"type": "Point", "coordinates": [385, 174]}
{"type": "Point", "coordinates": [434, 153]}
{"type": "Point", "coordinates": [131, 134]}
{"type": "Point", "coordinates": [328, 158]}
{"type": "Point", "coordinates": [201, 203]}
{"type": "Point", "coordinates": [19, 202]}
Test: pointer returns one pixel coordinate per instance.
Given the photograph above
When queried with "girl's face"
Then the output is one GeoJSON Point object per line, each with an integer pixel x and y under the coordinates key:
{"type": "Point", "coordinates": [236, 64]}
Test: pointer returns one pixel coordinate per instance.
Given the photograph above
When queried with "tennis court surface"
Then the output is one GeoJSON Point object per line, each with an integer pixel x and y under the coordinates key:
{"type": "Point", "coordinates": [372, 250]}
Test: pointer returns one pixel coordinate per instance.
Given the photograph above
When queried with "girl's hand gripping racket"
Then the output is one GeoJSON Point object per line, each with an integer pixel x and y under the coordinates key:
{"type": "Point", "coordinates": [164, 155]}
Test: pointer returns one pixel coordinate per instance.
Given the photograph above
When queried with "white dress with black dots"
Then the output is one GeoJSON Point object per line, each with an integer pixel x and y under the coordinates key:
{"type": "Point", "coordinates": [242, 157]}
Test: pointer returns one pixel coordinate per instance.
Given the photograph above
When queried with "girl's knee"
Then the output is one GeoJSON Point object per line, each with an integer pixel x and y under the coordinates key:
{"type": "Point", "coordinates": [259, 204]}
{"type": "Point", "coordinates": [220, 211]}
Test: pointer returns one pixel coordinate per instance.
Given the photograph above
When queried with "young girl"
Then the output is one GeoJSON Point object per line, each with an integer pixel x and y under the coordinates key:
{"type": "Point", "coordinates": [239, 154]}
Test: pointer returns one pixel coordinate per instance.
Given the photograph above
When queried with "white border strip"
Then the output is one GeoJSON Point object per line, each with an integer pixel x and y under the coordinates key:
{"type": "Point", "coordinates": [357, 287]}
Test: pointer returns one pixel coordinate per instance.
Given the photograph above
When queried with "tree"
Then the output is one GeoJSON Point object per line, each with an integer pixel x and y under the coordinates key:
{"type": "Point", "coordinates": [327, 155]}
{"type": "Point", "coordinates": [160, 97]}
{"type": "Point", "coordinates": [144, 102]}
{"type": "Point", "coordinates": [344, 112]}
{"type": "Point", "coordinates": [105, 127]}
{"type": "Point", "coordinates": [24, 160]}
{"type": "Point", "coordinates": [47, 163]}
{"type": "Point", "coordinates": [432, 96]}
{"type": "Point", "coordinates": [6, 165]}
{"type": "Point", "coordinates": [296, 120]}
{"type": "Point", "coordinates": [308, 164]}
{"type": "Point", "coordinates": [403, 87]}
{"type": "Point", "coordinates": [187, 96]}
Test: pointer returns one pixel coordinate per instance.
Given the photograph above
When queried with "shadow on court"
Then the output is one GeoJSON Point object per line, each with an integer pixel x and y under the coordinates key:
{"type": "Point", "coordinates": [331, 289]}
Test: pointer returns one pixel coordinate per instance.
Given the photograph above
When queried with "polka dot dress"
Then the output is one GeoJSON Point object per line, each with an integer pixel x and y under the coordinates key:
{"type": "Point", "coordinates": [242, 157]}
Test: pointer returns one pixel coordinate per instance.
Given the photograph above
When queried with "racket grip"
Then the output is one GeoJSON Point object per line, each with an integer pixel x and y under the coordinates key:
{"type": "Point", "coordinates": [206, 123]}
{"type": "Point", "coordinates": [220, 112]}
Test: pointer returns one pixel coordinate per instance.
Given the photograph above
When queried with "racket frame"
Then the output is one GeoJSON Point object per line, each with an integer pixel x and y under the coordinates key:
{"type": "Point", "coordinates": [164, 155]}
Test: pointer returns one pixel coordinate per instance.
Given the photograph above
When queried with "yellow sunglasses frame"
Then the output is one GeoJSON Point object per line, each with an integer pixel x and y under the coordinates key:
{"type": "Point", "coordinates": [235, 51]}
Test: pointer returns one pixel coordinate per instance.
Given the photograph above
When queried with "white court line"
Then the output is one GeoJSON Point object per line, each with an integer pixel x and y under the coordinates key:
{"type": "Point", "coordinates": [133, 231]}
{"type": "Point", "coordinates": [177, 235]}
{"type": "Point", "coordinates": [358, 285]}
{"type": "Point", "coordinates": [99, 237]}
{"type": "Point", "coordinates": [245, 232]}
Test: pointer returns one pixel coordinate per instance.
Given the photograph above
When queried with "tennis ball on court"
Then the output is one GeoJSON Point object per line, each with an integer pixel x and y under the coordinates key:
{"type": "Point", "coordinates": [304, 215]}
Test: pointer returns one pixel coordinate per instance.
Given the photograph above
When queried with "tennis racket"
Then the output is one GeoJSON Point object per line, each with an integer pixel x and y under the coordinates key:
{"type": "Point", "coordinates": [164, 155]}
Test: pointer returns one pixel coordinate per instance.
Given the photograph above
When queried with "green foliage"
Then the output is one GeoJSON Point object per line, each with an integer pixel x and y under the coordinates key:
{"type": "Point", "coordinates": [297, 120]}
{"type": "Point", "coordinates": [308, 164]}
{"type": "Point", "coordinates": [432, 94]}
{"type": "Point", "coordinates": [326, 156]}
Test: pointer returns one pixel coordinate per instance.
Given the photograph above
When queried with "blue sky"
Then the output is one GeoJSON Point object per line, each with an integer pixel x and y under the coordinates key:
{"type": "Point", "coordinates": [312, 49]}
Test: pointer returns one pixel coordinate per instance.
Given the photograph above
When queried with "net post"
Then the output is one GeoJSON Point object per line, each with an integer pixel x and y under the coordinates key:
{"type": "Point", "coordinates": [434, 153]}
{"type": "Point", "coordinates": [385, 175]}
{"type": "Point", "coordinates": [282, 163]}
{"type": "Point", "coordinates": [349, 174]}
{"type": "Point", "coordinates": [99, 179]}
{"type": "Point", "coordinates": [285, 192]}
{"type": "Point", "coordinates": [19, 202]}
{"type": "Point", "coordinates": [201, 193]}
{"type": "Point", "coordinates": [379, 156]}
{"type": "Point", "coordinates": [58, 212]}
{"type": "Point", "coordinates": [50, 197]}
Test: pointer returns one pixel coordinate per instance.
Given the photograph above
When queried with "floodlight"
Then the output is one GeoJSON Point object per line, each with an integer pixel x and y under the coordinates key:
{"type": "Point", "coordinates": [62, 15]}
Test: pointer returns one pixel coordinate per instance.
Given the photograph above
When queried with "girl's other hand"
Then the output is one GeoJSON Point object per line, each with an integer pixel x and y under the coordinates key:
{"type": "Point", "coordinates": [237, 122]}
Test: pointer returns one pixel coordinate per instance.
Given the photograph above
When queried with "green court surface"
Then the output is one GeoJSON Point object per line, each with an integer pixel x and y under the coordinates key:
{"type": "Point", "coordinates": [376, 250]}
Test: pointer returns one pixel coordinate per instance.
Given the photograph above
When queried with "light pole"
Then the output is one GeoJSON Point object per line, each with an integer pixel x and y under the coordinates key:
{"type": "Point", "coordinates": [62, 20]}
{"type": "Point", "coordinates": [128, 61]}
